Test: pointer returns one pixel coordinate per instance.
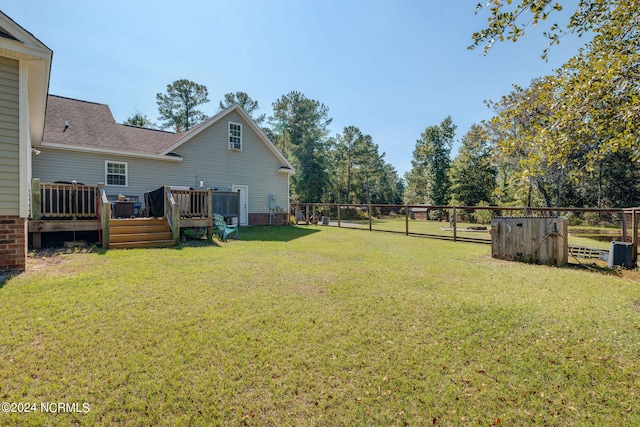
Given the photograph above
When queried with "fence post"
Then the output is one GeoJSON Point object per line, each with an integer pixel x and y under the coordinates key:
{"type": "Point", "coordinates": [634, 237]}
{"type": "Point", "coordinates": [36, 200]}
{"type": "Point", "coordinates": [454, 223]}
{"type": "Point", "coordinates": [624, 227]}
{"type": "Point", "coordinates": [338, 215]}
{"type": "Point", "coordinates": [315, 215]}
{"type": "Point", "coordinates": [370, 225]}
{"type": "Point", "coordinates": [306, 214]}
{"type": "Point", "coordinates": [406, 219]}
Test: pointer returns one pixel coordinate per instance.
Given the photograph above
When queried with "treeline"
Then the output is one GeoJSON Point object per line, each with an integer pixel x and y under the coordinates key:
{"type": "Point", "coordinates": [492, 167]}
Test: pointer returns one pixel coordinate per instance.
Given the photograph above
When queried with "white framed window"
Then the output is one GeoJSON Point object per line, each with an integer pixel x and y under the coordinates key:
{"type": "Point", "coordinates": [115, 173]}
{"type": "Point", "coordinates": [235, 136]}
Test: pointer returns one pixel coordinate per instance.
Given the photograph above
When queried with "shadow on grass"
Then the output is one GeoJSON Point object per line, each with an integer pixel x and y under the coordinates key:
{"type": "Point", "coordinates": [595, 268]}
{"type": "Point", "coordinates": [188, 244]}
{"type": "Point", "coordinates": [275, 233]}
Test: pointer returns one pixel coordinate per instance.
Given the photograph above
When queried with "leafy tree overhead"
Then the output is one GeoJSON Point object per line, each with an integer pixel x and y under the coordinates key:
{"type": "Point", "coordinates": [245, 101]}
{"type": "Point", "coordinates": [428, 181]}
{"type": "Point", "coordinates": [178, 106]}
{"type": "Point", "coordinates": [509, 20]}
{"type": "Point", "coordinates": [592, 104]}
{"type": "Point", "coordinates": [141, 120]}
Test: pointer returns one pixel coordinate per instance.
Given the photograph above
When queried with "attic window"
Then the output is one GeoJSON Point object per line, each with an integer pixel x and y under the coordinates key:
{"type": "Point", "coordinates": [235, 136]}
{"type": "Point", "coordinates": [115, 173]}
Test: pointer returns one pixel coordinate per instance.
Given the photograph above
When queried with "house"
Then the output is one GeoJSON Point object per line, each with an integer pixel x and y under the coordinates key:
{"type": "Point", "coordinates": [227, 152]}
{"type": "Point", "coordinates": [25, 65]}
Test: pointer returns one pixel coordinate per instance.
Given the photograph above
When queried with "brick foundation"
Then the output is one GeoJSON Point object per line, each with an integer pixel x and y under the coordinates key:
{"type": "Point", "coordinates": [13, 243]}
{"type": "Point", "coordinates": [263, 219]}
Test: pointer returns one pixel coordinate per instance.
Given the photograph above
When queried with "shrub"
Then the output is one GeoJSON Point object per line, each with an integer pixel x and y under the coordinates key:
{"type": "Point", "coordinates": [483, 216]}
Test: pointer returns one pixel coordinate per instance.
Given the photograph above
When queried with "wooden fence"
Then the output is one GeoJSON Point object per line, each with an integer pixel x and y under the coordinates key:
{"type": "Point", "coordinates": [334, 214]}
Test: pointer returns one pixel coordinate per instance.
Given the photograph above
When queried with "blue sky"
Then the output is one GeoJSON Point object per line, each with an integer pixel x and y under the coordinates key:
{"type": "Point", "coordinates": [390, 67]}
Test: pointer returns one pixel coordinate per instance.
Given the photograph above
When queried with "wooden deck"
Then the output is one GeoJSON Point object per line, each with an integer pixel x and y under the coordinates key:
{"type": "Point", "coordinates": [71, 207]}
{"type": "Point", "coordinates": [56, 225]}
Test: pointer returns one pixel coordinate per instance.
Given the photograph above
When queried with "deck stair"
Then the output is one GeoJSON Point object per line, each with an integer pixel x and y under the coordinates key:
{"type": "Point", "coordinates": [140, 233]}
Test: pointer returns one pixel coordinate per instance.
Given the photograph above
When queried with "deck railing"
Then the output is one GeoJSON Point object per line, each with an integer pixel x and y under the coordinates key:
{"type": "Point", "coordinates": [68, 201]}
{"type": "Point", "coordinates": [63, 200]}
{"type": "Point", "coordinates": [193, 203]}
{"type": "Point", "coordinates": [204, 203]}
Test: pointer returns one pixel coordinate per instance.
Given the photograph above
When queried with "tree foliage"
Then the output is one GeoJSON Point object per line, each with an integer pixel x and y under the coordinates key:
{"type": "Point", "coordinates": [359, 173]}
{"type": "Point", "coordinates": [562, 127]}
{"type": "Point", "coordinates": [509, 20]}
{"type": "Point", "coordinates": [141, 120]}
{"type": "Point", "coordinates": [246, 102]}
{"type": "Point", "coordinates": [302, 128]}
{"type": "Point", "coordinates": [428, 181]}
{"type": "Point", "coordinates": [473, 177]}
{"type": "Point", "coordinates": [178, 106]}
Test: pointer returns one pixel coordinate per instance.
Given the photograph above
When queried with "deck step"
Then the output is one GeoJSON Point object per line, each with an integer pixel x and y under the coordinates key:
{"type": "Point", "coordinates": [140, 237]}
{"type": "Point", "coordinates": [137, 221]}
{"type": "Point", "coordinates": [136, 229]}
{"type": "Point", "coordinates": [143, 244]}
{"type": "Point", "coordinates": [139, 233]}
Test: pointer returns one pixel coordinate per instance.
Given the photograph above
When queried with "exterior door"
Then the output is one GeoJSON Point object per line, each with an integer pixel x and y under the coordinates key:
{"type": "Point", "coordinates": [244, 203]}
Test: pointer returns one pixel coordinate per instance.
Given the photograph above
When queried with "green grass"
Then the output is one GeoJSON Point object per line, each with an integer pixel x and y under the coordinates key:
{"type": "Point", "coordinates": [302, 326]}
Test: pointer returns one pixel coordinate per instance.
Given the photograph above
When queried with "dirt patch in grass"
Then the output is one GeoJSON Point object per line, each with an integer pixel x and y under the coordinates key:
{"type": "Point", "coordinates": [41, 259]}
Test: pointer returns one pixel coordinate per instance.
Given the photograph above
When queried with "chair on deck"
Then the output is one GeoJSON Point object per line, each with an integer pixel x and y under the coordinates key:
{"type": "Point", "coordinates": [223, 229]}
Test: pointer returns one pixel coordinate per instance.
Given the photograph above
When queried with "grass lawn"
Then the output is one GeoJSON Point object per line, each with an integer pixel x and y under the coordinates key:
{"type": "Point", "coordinates": [305, 326]}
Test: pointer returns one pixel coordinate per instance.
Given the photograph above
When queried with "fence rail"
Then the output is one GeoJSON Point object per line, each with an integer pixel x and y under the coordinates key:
{"type": "Point", "coordinates": [458, 223]}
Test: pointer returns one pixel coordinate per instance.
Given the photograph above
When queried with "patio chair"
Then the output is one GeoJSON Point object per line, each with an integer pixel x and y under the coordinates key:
{"type": "Point", "coordinates": [223, 229]}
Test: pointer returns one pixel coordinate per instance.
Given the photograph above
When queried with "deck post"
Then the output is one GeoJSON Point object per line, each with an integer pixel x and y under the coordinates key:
{"type": "Point", "coordinates": [167, 206]}
{"type": "Point", "coordinates": [210, 214]}
{"type": "Point", "coordinates": [175, 221]}
{"type": "Point", "coordinates": [36, 199]}
{"type": "Point", "coordinates": [104, 210]}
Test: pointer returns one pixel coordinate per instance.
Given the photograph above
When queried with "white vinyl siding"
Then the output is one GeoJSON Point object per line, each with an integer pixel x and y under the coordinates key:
{"type": "Point", "coordinates": [115, 173]}
{"type": "Point", "coordinates": [9, 137]}
{"type": "Point", "coordinates": [235, 136]}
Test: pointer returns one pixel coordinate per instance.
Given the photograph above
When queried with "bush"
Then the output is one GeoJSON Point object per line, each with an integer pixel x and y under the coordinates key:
{"type": "Point", "coordinates": [574, 218]}
{"type": "Point", "coordinates": [483, 216]}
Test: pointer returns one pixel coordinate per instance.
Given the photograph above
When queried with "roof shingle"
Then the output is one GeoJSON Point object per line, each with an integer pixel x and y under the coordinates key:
{"type": "Point", "coordinates": [92, 125]}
